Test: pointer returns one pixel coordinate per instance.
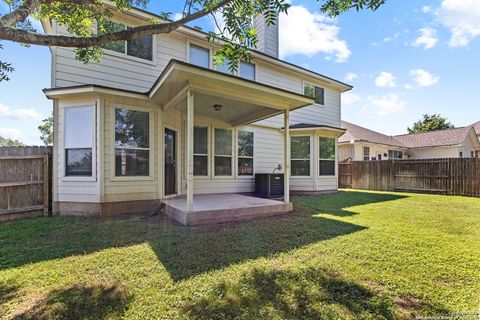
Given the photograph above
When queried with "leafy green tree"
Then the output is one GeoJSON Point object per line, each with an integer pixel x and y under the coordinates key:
{"type": "Point", "coordinates": [430, 123]}
{"type": "Point", "coordinates": [7, 142]}
{"type": "Point", "coordinates": [46, 130]}
{"type": "Point", "coordinates": [79, 17]}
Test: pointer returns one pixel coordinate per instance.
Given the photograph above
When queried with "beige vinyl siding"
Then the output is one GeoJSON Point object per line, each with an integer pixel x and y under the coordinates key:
{"type": "Point", "coordinates": [329, 114]}
{"type": "Point", "coordinates": [267, 37]}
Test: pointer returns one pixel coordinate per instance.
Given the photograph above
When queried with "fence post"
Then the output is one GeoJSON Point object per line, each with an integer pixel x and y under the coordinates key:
{"type": "Point", "coordinates": [46, 200]}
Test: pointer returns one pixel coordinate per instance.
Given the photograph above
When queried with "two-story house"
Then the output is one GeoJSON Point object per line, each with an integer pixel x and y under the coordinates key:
{"type": "Point", "coordinates": [156, 123]}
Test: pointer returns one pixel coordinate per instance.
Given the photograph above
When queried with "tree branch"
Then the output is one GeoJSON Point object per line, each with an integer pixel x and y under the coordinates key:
{"type": "Point", "coordinates": [22, 36]}
{"type": "Point", "coordinates": [20, 14]}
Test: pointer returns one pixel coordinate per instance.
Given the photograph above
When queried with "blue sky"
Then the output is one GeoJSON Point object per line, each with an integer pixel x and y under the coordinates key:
{"type": "Point", "coordinates": [406, 59]}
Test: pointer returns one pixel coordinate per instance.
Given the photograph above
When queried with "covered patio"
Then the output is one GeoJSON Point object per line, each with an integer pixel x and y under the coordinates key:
{"type": "Point", "coordinates": [200, 92]}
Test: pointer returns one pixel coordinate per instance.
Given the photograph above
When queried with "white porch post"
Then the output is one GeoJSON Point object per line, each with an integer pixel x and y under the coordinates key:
{"type": "Point", "coordinates": [286, 180]}
{"type": "Point", "coordinates": [190, 111]}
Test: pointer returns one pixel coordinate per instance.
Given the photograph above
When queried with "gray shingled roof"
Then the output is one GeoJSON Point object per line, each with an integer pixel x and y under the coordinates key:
{"type": "Point", "coordinates": [357, 133]}
{"type": "Point", "coordinates": [447, 137]}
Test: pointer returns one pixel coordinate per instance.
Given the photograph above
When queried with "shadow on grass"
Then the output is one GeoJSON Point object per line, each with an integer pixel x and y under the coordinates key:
{"type": "Point", "coordinates": [298, 293]}
{"type": "Point", "coordinates": [78, 302]}
{"type": "Point", "coordinates": [184, 252]}
{"type": "Point", "coordinates": [293, 294]}
{"type": "Point", "coordinates": [337, 204]}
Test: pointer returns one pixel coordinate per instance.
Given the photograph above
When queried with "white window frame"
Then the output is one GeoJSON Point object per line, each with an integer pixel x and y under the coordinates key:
{"type": "Point", "coordinates": [214, 153]}
{"type": "Point", "coordinates": [369, 153]}
{"type": "Point", "coordinates": [151, 129]}
{"type": "Point", "coordinates": [335, 165]}
{"type": "Point", "coordinates": [199, 44]}
{"type": "Point", "coordinates": [127, 56]}
{"type": "Point", "coordinates": [237, 175]}
{"type": "Point", "coordinates": [305, 83]}
{"type": "Point", "coordinates": [209, 169]}
{"type": "Point", "coordinates": [93, 177]}
{"type": "Point", "coordinates": [309, 159]}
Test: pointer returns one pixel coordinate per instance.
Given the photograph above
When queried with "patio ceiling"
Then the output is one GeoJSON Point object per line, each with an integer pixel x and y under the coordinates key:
{"type": "Point", "coordinates": [242, 101]}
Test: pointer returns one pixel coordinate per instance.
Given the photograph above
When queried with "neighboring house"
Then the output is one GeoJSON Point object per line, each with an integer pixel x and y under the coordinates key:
{"type": "Point", "coordinates": [359, 144]}
{"type": "Point", "coordinates": [476, 126]}
{"type": "Point", "coordinates": [156, 120]}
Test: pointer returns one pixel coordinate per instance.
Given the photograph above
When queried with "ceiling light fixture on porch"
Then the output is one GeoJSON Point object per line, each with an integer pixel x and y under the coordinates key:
{"type": "Point", "coordinates": [217, 107]}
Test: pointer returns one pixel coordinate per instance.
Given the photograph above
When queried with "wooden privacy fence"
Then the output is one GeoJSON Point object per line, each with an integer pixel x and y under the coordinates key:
{"type": "Point", "coordinates": [451, 176]}
{"type": "Point", "coordinates": [25, 182]}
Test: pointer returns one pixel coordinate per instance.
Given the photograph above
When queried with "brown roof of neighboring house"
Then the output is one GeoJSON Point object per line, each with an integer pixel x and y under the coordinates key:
{"type": "Point", "coordinates": [476, 126]}
{"type": "Point", "coordinates": [357, 133]}
{"type": "Point", "coordinates": [447, 137]}
{"type": "Point", "coordinates": [439, 138]}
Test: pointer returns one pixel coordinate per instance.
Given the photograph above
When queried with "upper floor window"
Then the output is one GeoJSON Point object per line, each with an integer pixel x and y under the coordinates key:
{"type": "Point", "coordinates": [300, 156]}
{"type": "Point", "coordinates": [245, 153]}
{"type": "Point", "coordinates": [141, 47]}
{"type": "Point", "coordinates": [132, 143]}
{"type": "Point", "coordinates": [312, 91]}
{"type": "Point", "coordinates": [199, 56]}
{"type": "Point", "coordinates": [247, 70]}
{"type": "Point", "coordinates": [78, 141]}
{"type": "Point", "coordinates": [224, 67]}
{"type": "Point", "coordinates": [327, 156]}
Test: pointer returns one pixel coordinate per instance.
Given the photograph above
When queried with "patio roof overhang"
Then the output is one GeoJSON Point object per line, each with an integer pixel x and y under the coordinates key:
{"type": "Point", "coordinates": [242, 101]}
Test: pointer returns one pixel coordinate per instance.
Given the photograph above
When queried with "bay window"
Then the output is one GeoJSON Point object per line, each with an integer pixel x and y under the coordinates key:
{"type": "Point", "coordinates": [141, 47]}
{"type": "Point", "coordinates": [79, 141]}
{"type": "Point", "coordinates": [223, 152]}
{"type": "Point", "coordinates": [132, 143]}
{"type": "Point", "coordinates": [200, 151]}
{"type": "Point", "coordinates": [327, 156]}
{"type": "Point", "coordinates": [300, 156]}
{"type": "Point", "coordinates": [245, 153]}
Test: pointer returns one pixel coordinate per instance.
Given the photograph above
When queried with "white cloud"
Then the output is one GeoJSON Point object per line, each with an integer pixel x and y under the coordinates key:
{"type": "Point", "coordinates": [351, 76]}
{"type": "Point", "coordinates": [304, 32]}
{"type": "Point", "coordinates": [428, 38]}
{"type": "Point", "coordinates": [177, 16]}
{"type": "Point", "coordinates": [385, 80]}
{"type": "Point", "coordinates": [11, 133]}
{"type": "Point", "coordinates": [423, 78]}
{"type": "Point", "coordinates": [462, 18]}
{"type": "Point", "coordinates": [426, 9]}
{"type": "Point", "coordinates": [381, 106]}
{"type": "Point", "coordinates": [408, 86]}
{"type": "Point", "coordinates": [349, 98]}
{"type": "Point", "coordinates": [19, 114]}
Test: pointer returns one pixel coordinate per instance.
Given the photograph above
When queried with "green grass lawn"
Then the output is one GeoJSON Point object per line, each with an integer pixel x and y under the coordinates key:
{"type": "Point", "coordinates": [352, 255]}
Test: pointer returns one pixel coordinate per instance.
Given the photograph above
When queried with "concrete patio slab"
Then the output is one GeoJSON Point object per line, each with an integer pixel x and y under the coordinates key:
{"type": "Point", "coordinates": [219, 208]}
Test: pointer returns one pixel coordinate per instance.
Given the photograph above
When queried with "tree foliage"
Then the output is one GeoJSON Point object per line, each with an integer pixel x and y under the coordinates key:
{"type": "Point", "coordinates": [46, 130]}
{"type": "Point", "coordinates": [430, 123]}
{"type": "Point", "coordinates": [80, 18]}
{"type": "Point", "coordinates": [7, 142]}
